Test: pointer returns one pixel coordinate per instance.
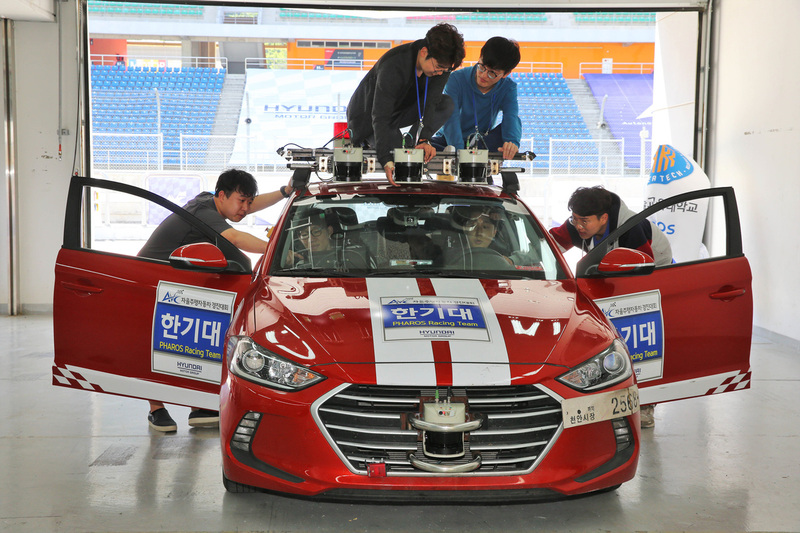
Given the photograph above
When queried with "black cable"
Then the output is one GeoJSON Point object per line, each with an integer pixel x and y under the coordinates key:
{"type": "Point", "coordinates": [340, 135]}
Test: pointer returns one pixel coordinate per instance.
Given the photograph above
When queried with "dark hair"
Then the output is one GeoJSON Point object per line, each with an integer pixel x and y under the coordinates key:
{"type": "Point", "coordinates": [588, 201]}
{"type": "Point", "coordinates": [233, 180]}
{"type": "Point", "coordinates": [499, 53]}
{"type": "Point", "coordinates": [313, 216]}
{"type": "Point", "coordinates": [445, 45]}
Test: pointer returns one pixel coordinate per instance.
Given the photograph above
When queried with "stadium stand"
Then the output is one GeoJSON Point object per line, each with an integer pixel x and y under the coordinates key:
{"type": "Point", "coordinates": [128, 8]}
{"type": "Point", "coordinates": [629, 95]}
{"type": "Point", "coordinates": [615, 18]}
{"type": "Point", "coordinates": [315, 16]}
{"type": "Point", "coordinates": [131, 105]}
{"type": "Point", "coordinates": [547, 109]}
{"type": "Point", "coordinates": [458, 18]}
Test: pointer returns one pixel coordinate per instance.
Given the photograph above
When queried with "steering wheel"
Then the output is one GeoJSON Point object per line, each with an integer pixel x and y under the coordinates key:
{"type": "Point", "coordinates": [486, 259]}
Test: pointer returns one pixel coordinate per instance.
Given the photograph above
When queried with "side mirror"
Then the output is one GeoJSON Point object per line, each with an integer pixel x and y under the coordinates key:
{"type": "Point", "coordinates": [200, 256]}
{"type": "Point", "coordinates": [626, 262]}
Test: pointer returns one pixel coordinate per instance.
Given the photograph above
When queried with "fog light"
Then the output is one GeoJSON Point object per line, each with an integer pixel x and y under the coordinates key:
{"type": "Point", "coordinates": [622, 432]}
{"type": "Point", "coordinates": [245, 431]}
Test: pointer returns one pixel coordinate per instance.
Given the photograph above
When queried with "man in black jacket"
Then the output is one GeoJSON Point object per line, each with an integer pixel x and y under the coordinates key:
{"type": "Point", "coordinates": [404, 89]}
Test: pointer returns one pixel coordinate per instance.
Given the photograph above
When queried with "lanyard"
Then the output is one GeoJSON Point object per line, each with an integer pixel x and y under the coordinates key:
{"type": "Point", "coordinates": [475, 114]}
{"type": "Point", "coordinates": [420, 109]}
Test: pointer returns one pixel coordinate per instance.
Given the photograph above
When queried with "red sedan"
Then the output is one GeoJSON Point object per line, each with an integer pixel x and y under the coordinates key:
{"type": "Point", "coordinates": [421, 342]}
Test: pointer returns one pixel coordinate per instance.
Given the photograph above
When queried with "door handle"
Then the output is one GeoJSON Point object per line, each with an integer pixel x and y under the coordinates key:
{"type": "Point", "coordinates": [727, 294]}
{"type": "Point", "coordinates": [78, 287]}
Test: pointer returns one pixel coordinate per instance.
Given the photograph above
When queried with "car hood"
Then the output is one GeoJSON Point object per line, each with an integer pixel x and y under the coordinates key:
{"type": "Point", "coordinates": [418, 331]}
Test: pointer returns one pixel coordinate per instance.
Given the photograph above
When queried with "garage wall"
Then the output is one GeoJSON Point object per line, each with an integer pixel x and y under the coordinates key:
{"type": "Point", "coordinates": [4, 218]}
{"type": "Point", "coordinates": [754, 143]}
{"type": "Point", "coordinates": [754, 138]}
{"type": "Point", "coordinates": [43, 176]}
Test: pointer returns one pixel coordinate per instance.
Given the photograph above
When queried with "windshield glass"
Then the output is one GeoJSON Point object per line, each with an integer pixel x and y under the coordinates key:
{"type": "Point", "coordinates": [413, 235]}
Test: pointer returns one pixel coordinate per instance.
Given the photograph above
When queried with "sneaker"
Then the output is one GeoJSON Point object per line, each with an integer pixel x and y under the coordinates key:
{"type": "Point", "coordinates": [203, 418]}
{"type": "Point", "coordinates": [646, 416]}
{"type": "Point", "coordinates": [161, 421]}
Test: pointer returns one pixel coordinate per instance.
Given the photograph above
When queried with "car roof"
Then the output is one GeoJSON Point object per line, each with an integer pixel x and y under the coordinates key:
{"type": "Point", "coordinates": [421, 187]}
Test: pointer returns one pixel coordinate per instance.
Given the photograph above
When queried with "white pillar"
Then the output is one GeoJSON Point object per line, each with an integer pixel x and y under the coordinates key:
{"type": "Point", "coordinates": [674, 81]}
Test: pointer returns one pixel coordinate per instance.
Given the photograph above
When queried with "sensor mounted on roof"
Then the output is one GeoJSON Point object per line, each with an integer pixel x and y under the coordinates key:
{"type": "Point", "coordinates": [408, 164]}
{"type": "Point", "coordinates": [347, 161]}
{"type": "Point", "coordinates": [473, 165]}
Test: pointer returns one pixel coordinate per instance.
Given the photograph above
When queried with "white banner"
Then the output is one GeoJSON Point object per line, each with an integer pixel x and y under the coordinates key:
{"type": "Point", "coordinates": [290, 106]}
{"type": "Point", "coordinates": [673, 173]}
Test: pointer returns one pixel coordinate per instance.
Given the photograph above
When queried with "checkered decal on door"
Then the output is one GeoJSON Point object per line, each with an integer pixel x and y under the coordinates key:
{"type": "Point", "coordinates": [740, 381]}
{"type": "Point", "coordinates": [66, 378]}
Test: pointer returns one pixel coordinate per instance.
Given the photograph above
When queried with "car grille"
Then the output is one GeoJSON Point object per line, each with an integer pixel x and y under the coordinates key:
{"type": "Point", "coordinates": [369, 425]}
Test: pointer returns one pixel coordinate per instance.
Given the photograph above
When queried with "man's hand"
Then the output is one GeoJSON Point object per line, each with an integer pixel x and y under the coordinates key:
{"type": "Point", "coordinates": [428, 150]}
{"type": "Point", "coordinates": [509, 150]}
{"type": "Point", "coordinates": [388, 168]}
{"type": "Point", "coordinates": [292, 258]}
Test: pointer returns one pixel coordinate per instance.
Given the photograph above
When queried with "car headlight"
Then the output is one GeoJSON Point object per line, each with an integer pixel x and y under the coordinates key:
{"type": "Point", "coordinates": [610, 366]}
{"type": "Point", "coordinates": [254, 363]}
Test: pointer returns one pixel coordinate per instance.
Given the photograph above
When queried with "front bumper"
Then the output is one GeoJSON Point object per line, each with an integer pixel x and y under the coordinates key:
{"type": "Point", "coordinates": [356, 442]}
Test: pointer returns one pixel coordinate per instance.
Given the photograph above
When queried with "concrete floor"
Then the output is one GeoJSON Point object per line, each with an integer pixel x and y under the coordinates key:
{"type": "Point", "coordinates": [79, 461]}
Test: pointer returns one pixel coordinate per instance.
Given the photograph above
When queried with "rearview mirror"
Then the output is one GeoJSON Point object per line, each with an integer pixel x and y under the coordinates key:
{"type": "Point", "coordinates": [626, 262]}
{"type": "Point", "coordinates": [201, 256]}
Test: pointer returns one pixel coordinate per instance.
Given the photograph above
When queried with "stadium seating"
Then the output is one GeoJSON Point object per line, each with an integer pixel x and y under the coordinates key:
{"type": "Point", "coordinates": [548, 109]}
{"type": "Point", "coordinates": [129, 8]}
{"type": "Point", "coordinates": [615, 18]}
{"type": "Point", "coordinates": [172, 101]}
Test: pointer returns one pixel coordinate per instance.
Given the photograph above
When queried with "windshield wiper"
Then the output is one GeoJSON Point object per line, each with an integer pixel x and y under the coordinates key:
{"type": "Point", "coordinates": [318, 273]}
{"type": "Point", "coordinates": [485, 274]}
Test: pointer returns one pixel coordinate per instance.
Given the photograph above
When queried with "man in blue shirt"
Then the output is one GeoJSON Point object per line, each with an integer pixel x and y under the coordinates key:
{"type": "Point", "coordinates": [480, 93]}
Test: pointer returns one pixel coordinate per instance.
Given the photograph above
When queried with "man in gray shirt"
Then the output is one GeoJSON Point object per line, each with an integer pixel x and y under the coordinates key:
{"type": "Point", "coordinates": [236, 195]}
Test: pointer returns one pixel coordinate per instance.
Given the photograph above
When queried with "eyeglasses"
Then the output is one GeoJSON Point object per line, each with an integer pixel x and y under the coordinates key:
{"type": "Point", "coordinates": [438, 68]}
{"type": "Point", "coordinates": [314, 232]}
{"type": "Point", "coordinates": [491, 74]}
{"type": "Point", "coordinates": [582, 222]}
{"type": "Point", "coordinates": [484, 224]}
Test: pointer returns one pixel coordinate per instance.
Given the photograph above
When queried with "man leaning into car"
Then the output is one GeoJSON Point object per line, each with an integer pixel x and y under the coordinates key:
{"type": "Point", "coordinates": [597, 212]}
{"type": "Point", "coordinates": [236, 196]}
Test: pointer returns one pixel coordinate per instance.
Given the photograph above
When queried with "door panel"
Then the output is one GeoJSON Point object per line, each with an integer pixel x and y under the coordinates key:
{"type": "Point", "coordinates": [692, 335]}
{"type": "Point", "coordinates": [111, 321]}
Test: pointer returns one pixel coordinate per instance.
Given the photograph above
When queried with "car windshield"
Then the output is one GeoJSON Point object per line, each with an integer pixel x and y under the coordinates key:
{"type": "Point", "coordinates": [413, 235]}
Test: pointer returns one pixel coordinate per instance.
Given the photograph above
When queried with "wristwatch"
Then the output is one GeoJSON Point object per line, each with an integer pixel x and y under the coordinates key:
{"type": "Point", "coordinates": [284, 193]}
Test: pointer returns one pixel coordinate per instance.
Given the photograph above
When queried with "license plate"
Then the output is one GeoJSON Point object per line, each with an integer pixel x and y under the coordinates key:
{"type": "Point", "coordinates": [598, 407]}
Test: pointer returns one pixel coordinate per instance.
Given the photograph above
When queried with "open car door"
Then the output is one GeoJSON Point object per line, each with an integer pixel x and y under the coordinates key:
{"type": "Point", "coordinates": [139, 327]}
{"type": "Point", "coordinates": [687, 325]}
